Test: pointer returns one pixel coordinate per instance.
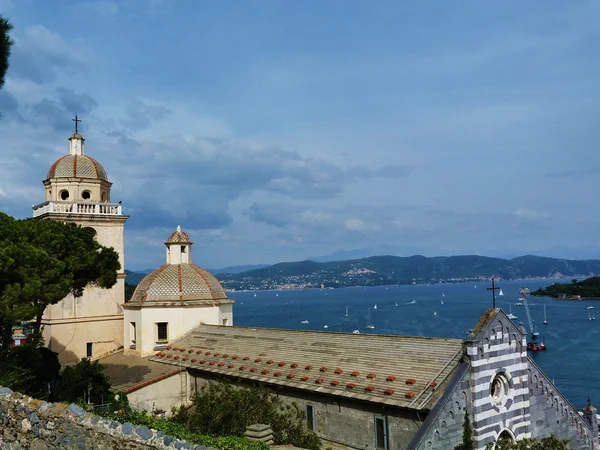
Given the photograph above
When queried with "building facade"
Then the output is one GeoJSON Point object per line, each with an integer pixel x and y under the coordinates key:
{"type": "Point", "coordinates": [77, 190]}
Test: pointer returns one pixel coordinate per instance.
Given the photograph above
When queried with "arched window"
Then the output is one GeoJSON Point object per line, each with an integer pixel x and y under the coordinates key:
{"type": "Point", "coordinates": [86, 195]}
{"type": "Point", "coordinates": [64, 194]}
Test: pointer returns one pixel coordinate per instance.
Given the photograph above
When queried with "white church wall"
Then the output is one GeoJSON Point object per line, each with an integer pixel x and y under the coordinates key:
{"type": "Point", "coordinates": [160, 396]}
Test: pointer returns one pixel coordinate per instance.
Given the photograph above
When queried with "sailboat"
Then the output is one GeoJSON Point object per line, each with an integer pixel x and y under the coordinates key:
{"type": "Point", "coordinates": [346, 311]}
{"type": "Point", "coordinates": [304, 321]}
{"type": "Point", "coordinates": [500, 293]}
{"type": "Point", "coordinates": [510, 315]}
{"type": "Point", "coordinates": [591, 313]}
{"type": "Point", "coordinates": [369, 324]}
{"type": "Point", "coordinates": [396, 303]}
{"type": "Point", "coordinates": [375, 307]}
{"type": "Point", "coordinates": [443, 295]}
{"type": "Point", "coordinates": [545, 320]}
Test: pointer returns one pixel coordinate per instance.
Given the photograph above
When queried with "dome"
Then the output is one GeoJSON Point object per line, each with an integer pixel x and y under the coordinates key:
{"type": "Point", "coordinates": [179, 237]}
{"type": "Point", "coordinates": [178, 285]}
{"type": "Point", "coordinates": [80, 166]}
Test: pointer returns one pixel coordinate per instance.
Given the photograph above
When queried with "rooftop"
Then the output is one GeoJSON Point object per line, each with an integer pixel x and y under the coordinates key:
{"type": "Point", "coordinates": [130, 373]}
{"type": "Point", "coordinates": [408, 372]}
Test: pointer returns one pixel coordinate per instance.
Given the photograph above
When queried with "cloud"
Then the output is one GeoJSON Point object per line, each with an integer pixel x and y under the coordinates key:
{"type": "Point", "coordinates": [9, 106]}
{"type": "Point", "coordinates": [354, 224]}
{"type": "Point", "coordinates": [140, 114]}
{"type": "Point", "coordinates": [529, 215]}
{"type": "Point", "coordinates": [38, 53]}
{"type": "Point", "coordinates": [56, 112]}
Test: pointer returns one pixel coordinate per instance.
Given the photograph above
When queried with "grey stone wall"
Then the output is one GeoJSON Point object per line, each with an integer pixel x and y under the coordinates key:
{"type": "Point", "coordinates": [341, 423]}
{"type": "Point", "coordinates": [552, 414]}
{"type": "Point", "coordinates": [26, 423]}
{"type": "Point", "coordinates": [443, 428]}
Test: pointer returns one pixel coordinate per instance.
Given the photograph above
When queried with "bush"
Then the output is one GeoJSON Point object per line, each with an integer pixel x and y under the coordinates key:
{"type": "Point", "coordinates": [223, 409]}
{"type": "Point", "coordinates": [30, 370]}
{"type": "Point", "coordinates": [85, 381]}
{"type": "Point", "coordinates": [120, 410]}
{"type": "Point", "coordinates": [549, 443]}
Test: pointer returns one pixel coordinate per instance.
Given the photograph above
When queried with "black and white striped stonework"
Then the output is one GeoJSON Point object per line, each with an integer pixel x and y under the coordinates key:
{"type": "Point", "coordinates": [498, 356]}
{"type": "Point", "coordinates": [511, 395]}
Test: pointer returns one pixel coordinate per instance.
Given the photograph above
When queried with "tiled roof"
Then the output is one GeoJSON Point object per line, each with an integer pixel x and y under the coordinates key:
{"type": "Point", "coordinates": [130, 373]}
{"type": "Point", "coordinates": [409, 372]}
{"type": "Point", "coordinates": [77, 166]}
{"type": "Point", "coordinates": [177, 284]}
{"type": "Point", "coordinates": [179, 237]}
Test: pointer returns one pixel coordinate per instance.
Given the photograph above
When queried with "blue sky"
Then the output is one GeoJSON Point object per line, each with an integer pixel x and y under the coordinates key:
{"type": "Point", "coordinates": [277, 130]}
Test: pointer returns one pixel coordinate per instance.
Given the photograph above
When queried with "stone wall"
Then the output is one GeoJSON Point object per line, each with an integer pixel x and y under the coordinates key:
{"type": "Point", "coordinates": [551, 413]}
{"type": "Point", "coordinates": [443, 427]}
{"type": "Point", "coordinates": [26, 423]}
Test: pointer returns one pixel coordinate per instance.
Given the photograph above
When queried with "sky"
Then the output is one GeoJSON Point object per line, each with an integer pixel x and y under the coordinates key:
{"type": "Point", "coordinates": [280, 131]}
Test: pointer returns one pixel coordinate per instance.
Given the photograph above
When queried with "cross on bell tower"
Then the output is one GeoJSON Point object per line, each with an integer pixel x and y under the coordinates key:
{"type": "Point", "coordinates": [76, 120]}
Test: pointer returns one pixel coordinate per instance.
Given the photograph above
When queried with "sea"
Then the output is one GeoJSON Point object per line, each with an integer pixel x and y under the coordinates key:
{"type": "Point", "coordinates": [572, 358]}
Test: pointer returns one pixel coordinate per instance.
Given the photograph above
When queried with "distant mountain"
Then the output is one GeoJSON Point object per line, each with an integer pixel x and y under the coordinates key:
{"type": "Point", "coordinates": [238, 269]}
{"type": "Point", "coordinates": [134, 278]}
{"type": "Point", "coordinates": [385, 270]}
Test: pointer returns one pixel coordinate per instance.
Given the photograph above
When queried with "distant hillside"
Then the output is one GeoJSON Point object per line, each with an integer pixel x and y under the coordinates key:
{"type": "Point", "coordinates": [386, 270]}
{"type": "Point", "coordinates": [238, 269]}
{"type": "Point", "coordinates": [589, 288]}
{"type": "Point", "coordinates": [134, 278]}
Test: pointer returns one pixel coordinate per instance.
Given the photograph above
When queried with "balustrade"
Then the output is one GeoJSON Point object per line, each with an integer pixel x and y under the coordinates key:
{"type": "Point", "coordinates": [111, 209]}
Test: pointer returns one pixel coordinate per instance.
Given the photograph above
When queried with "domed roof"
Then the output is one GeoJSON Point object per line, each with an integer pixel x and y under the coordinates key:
{"type": "Point", "coordinates": [179, 237]}
{"type": "Point", "coordinates": [77, 166]}
{"type": "Point", "coordinates": [177, 285]}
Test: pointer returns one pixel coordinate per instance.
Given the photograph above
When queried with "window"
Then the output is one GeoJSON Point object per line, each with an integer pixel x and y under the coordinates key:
{"type": "Point", "coordinates": [381, 433]}
{"type": "Point", "coordinates": [86, 195]}
{"type": "Point", "coordinates": [225, 322]}
{"type": "Point", "coordinates": [499, 388]}
{"type": "Point", "coordinates": [89, 349]}
{"type": "Point", "coordinates": [310, 417]}
{"type": "Point", "coordinates": [132, 335]}
{"type": "Point", "coordinates": [183, 248]}
{"type": "Point", "coordinates": [162, 331]}
{"type": "Point", "coordinates": [64, 194]}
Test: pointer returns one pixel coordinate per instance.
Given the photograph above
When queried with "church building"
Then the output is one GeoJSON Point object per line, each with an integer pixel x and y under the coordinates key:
{"type": "Point", "coordinates": [359, 391]}
{"type": "Point", "coordinates": [77, 190]}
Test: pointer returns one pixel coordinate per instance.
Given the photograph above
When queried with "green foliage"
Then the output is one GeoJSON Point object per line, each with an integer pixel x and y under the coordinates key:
{"type": "Point", "coordinates": [120, 410]}
{"type": "Point", "coordinates": [5, 44]}
{"type": "Point", "coordinates": [589, 288]}
{"type": "Point", "coordinates": [30, 370]}
{"type": "Point", "coordinates": [549, 443]}
{"type": "Point", "coordinates": [223, 409]}
{"type": "Point", "coordinates": [129, 290]}
{"type": "Point", "coordinates": [41, 261]}
{"type": "Point", "coordinates": [84, 381]}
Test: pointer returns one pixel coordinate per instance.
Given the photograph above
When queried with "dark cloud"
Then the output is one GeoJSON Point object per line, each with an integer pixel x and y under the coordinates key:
{"type": "Point", "coordinates": [276, 214]}
{"type": "Point", "coordinates": [82, 104]}
{"type": "Point", "coordinates": [198, 181]}
{"type": "Point", "coordinates": [57, 112]}
{"type": "Point", "coordinates": [141, 115]}
{"type": "Point", "coordinates": [9, 106]}
{"type": "Point", "coordinates": [39, 53]}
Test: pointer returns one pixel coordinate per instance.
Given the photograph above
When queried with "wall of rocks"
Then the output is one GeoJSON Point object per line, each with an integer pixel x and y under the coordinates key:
{"type": "Point", "coordinates": [27, 423]}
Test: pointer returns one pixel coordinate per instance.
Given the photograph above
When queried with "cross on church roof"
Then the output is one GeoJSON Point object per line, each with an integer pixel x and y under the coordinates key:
{"type": "Point", "coordinates": [76, 120]}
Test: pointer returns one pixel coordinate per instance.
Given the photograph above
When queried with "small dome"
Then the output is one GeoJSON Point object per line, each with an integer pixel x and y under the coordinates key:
{"type": "Point", "coordinates": [179, 237]}
{"type": "Point", "coordinates": [77, 166]}
{"type": "Point", "coordinates": [178, 284]}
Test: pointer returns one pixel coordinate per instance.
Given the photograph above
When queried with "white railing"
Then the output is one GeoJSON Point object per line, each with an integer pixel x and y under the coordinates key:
{"type": "Point", "coordinates": [108, 209]}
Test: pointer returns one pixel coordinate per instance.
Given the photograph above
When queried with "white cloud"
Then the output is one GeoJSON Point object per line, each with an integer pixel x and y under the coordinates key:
{"type": "Point", "coordinates": [355, 224]}
{"type": "Point", "coordinates": [530, 215]}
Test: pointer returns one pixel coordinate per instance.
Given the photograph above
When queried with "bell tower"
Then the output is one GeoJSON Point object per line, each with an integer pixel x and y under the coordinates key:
{"type": "Point", "coordinates": [78, 191]}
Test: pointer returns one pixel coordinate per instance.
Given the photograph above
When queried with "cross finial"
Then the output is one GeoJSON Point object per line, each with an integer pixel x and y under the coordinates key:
{"type": "Point", "coordinates": [494, 288]}
{"type": "Point", "coordinates": [76, 120]}
{"type": "Point", "coordinates": [589, 401]}
{"type": "Point", "coordinates": [178, 228]}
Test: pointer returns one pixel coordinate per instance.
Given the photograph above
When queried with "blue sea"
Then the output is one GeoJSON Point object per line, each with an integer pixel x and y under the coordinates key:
{"type": "Point", "coordinates": [573, 341]}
